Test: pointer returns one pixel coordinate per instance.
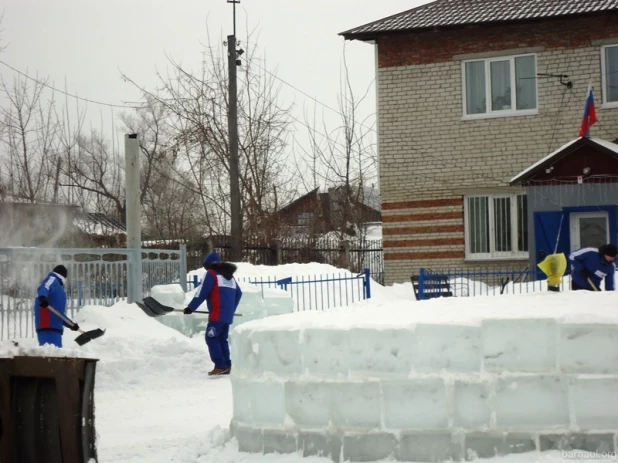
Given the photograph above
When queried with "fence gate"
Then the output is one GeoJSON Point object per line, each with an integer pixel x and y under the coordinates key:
{"type": "Point", "coordinates": [95, 277]}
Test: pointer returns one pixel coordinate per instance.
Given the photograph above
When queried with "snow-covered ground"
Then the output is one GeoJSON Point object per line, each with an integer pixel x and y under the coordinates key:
{"type": "Point", "coordinates": [156, 404]}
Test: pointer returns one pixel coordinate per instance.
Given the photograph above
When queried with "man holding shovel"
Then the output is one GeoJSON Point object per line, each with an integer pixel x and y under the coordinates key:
{"type": "Point", "coordinates": [49, 327]}
{"type": "Point", "coordinates": [222, 293]}
{"type": "Point", "coordinates": [590, 266]}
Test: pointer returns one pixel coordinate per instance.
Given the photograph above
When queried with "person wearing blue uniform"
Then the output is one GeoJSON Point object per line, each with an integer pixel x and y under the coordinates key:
{"type": "Point", "coordinates": [221, 292]}
{"type": "Point", "coordinates": [49, 327]}
{"type": "Point", "coordinates": [593, 265]}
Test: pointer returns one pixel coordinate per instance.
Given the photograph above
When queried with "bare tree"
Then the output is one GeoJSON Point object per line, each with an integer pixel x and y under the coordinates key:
{"type": "Point", "coordinates": [198, 107]}
{"type": "Point", "coordinates": [168, 199]}
{"type": "Point", "coordinates": [29, 136]}
{"type": "Point", "coordinates": [343, 159]}
{"type": "Point", "coordinates": [97, 171]}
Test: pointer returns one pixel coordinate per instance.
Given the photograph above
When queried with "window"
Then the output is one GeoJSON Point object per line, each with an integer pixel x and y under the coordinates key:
{"type": "Point", "coordinates": [496, 226]}
{"type": "Point", "coordinates": [500, 86]}
{"type": "Point", "coordinates": [609, 70]}
{"type": "Point", "coordinates": [304, 218]}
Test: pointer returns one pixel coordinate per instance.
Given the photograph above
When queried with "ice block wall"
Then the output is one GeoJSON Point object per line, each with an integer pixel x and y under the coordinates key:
{"type": "Point", "coordinates": [426, 392]}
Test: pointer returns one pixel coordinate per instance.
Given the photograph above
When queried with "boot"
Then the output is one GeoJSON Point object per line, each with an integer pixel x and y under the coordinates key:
{"type": "Point", "coordinates": [219, 371]}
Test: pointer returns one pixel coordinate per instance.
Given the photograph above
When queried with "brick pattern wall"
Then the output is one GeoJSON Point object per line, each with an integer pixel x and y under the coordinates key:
{"type": "Point", "coordinates": [430, 158]}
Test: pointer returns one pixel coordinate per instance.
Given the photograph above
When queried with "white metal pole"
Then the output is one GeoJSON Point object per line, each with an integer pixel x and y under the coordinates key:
{"type": "Point", "coordinates": [133, 211]}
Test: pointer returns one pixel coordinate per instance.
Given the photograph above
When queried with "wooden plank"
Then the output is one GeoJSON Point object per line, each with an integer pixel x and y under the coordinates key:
{"type": "Point", "coordinates": [6, 441]}
{"type": "Point", "coordinates": [68, 397]}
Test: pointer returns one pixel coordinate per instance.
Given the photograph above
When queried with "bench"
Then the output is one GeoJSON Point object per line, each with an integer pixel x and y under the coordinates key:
{"type": "Point", "coordinates": [434, 285]}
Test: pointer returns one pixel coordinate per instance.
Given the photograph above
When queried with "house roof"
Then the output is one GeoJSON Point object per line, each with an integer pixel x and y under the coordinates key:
{"type": "Point", "coordinates": [448, 13]}
{"type": "Point", "coordinates": [561, 152]}
{"type": "Point", "coordinates": [292, 203]}
{"type": "Point", "coordinates": [94, 223]}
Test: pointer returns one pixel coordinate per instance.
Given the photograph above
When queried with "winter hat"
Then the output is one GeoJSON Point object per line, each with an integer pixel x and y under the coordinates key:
{"type": "Point", "coordinates": [60, 270]}
{"type": "Point", "coordinates": [211, 259]}
{"type": "Point", "coordinates": [608, 250]}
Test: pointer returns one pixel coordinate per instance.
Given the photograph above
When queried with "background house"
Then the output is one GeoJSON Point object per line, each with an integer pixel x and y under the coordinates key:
{"type": "Point", "coordinates": [56, 225]}
{"type": "Point", "coordinates": [334, 210]}
{"type": "Point", "coordinates": [469, 95]}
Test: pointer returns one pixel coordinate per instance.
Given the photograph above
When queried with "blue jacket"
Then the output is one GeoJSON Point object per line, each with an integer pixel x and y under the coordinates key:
{"type": "Point", "coordinates": [220, 291]}
{"type": "Point", "coordinates": [53, 288]}
{"type": "Point", "coordinates": [590, 260]}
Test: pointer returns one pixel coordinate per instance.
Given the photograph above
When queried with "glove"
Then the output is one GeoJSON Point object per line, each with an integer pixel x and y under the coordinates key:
{"type": "Point", "coordinates": [43, 301]}
{"type": "Point", "coordinates": [585, 273]}
{"type": "Point", "coordinates": [75, 327]}
{"type": "Point", "coordinates": [187, 311]}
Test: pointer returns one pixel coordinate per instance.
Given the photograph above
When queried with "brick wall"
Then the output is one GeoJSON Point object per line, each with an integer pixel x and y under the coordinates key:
{"type": "Point", "coordinates": [430, 158]}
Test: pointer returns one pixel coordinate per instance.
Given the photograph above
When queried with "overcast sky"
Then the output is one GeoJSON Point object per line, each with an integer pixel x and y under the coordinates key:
{"type": "Point", "coordinates": [88, 43]}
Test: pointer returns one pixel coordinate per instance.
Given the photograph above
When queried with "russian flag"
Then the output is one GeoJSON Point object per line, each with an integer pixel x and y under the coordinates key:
{"type": "Point", "coordinates": [590, 114]}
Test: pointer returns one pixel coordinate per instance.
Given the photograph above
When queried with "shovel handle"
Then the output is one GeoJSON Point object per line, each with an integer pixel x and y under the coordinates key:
{"type": "Point", "coordinates": [200, 311]}
{"type": "Point", "coordinates": [63, 318]}
{"type": "Point", "coordinates": [592, 284]}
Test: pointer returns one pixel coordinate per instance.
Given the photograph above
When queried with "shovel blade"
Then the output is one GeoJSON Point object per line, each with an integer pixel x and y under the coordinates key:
{"type": "Point", "coordinates": [153, 308]}
{"type": "Point", "coordinates": [88, 336]}
{"type": "Point", "coordinates": [147, 309]}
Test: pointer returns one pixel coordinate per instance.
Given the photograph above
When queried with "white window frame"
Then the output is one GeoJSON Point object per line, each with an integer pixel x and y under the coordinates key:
{"type": "Point", "coordinates": [500, 113]}
{"type": "Point", "coordinates": [605, 103]}
{"type": "Point", "coordinates": [492, 254]}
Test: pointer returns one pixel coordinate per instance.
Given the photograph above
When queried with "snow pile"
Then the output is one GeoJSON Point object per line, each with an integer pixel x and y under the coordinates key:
{"type": "Point", "coordinates": [430, 381]}
{"type": "Point", "coordinates": [156, 404]}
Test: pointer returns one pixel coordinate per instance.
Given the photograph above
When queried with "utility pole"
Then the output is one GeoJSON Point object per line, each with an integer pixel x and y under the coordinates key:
{"type": "Point", "coordinates": [134, 228]}
{"type": "Point", "coordinates": [236, 213]}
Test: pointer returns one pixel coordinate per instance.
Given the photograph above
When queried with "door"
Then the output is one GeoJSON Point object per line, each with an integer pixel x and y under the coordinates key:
{"type": "Point", "coordinates": [589, 229]}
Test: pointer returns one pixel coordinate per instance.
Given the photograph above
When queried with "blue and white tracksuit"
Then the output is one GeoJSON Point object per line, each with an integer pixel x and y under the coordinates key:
{"type": "Point", "coordinates": [222, 294]}
{"type": "Point", "coordinates": [49, 327]}
{"type": "Point", "coordinates": [590, 260]}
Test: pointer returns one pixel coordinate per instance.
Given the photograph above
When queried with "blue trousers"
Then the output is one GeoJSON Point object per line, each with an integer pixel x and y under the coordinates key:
{"type": "Point", "coordinates": [49, 337]}
{"type": "Point", "coordinates": [218, 347]}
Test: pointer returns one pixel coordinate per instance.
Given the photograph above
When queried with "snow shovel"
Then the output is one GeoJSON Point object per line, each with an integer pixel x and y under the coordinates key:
{"type": "Point", "coordinates": [592, 285]}
{"type": "Point", "coordinates": [154, 308]}
{"type": "Point", "coordinates": [85, 336]}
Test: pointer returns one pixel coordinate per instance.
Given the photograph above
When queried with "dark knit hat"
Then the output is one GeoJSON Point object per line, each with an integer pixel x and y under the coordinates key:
{"type": "Point", "coordinates": [60, 270]}
{"type": "Point", "coordinates": [608, 250]}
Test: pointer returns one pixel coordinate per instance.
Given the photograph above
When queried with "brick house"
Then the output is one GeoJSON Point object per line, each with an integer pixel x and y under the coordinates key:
{"type": "Point", "coordinates": [469, 94]}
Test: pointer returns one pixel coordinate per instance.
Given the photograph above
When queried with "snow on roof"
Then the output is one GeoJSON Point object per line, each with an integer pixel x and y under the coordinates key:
{"type": "Point", "coordinates": [605, 144]}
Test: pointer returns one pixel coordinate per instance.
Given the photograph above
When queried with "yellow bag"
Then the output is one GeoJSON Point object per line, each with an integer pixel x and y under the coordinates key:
{"type": "Point", "coordinates": [554, 267]}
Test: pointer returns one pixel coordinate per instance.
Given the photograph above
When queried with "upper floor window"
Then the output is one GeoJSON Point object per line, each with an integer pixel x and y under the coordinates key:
{"type": "Point", "coordinates": [305, 218]}
{"type": "Point", "coordinates": [500, 86]}
{"type": "Point", "coordinates": [496, 226]}
{"type": "Point", "coordinates": [609, 70]}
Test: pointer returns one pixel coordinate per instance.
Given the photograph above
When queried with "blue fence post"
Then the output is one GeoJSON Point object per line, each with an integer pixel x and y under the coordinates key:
{"type": "Point", "coordinates": [367, 283]}
{"type": "Point", "coordinates": [195, 284]}
{"type": "Point", "coordinates": [421, 284]}
{"type": "Point", "coordinates": [79, 294]}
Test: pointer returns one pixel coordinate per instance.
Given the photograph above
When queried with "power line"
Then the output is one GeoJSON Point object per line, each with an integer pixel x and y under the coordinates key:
{"type": "Point", "coordinates": [69, 94]}
{"type": "Point", "coordinates": [309, 96]}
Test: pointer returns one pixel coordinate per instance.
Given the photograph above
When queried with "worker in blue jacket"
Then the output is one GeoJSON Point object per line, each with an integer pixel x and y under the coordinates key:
{"type": "Point", "coordinates": [222, 294]}
{"type": "Point", "coordinates": [593, 265]}
{"type": "Point", "coordinates": [49, 327]}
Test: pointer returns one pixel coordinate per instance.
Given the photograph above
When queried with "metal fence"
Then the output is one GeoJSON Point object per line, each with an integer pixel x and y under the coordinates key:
{"type": "Point", "coordinates": [95, 277]}
{"type": "Point", "coordinates": [353, 254]}
{"type": "Point", "coordinates": [480, 281]}
{"type": "Point", "coordinates": [314, 292]}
